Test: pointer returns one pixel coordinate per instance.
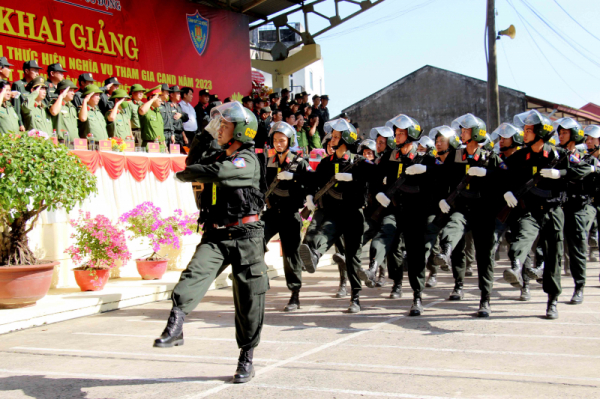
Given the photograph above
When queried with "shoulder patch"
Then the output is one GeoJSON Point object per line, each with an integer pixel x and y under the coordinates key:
{"type": "Point", "coordinates": [573, 158]}
{"type": "Point", "coordinates": [438, 162]}
{"type": "Point", "coordinates": [239, 162]}
{"type": "Point", "coordinates": [503, 166]}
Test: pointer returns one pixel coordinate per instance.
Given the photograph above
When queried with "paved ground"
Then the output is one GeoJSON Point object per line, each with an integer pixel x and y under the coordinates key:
{"type": "Point", "coordinates": [321, 352]}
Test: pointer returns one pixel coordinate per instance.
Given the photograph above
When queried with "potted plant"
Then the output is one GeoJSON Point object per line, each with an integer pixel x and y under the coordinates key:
{"type": "Point", "coordinates": [117, 144]}
{"type": "Point", "coordinates": [145, 222]}
{"type": "Point", "coordinates": [98, 246]}
{"type": "Point", "coordinates": [35, 175]}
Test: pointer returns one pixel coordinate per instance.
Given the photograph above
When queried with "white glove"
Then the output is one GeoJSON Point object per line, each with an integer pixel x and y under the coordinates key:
{"type": "Point", "coordinates": [416, 169]}
{"type": "Point", "coordinates": [510, 199]}
{"type": "Point", "coordinates": [310, 204]}
{"type": "Point", "coordinates": [213, 127]}
{"type": "Point", "coordinates": [550, 173]}
{"type": "Point", "coordinates": [385, 180]}
{"type": "Point", "coordinates": [383, 199]}
{"type": "Point", "coordinates": [444, 206]}
{"type": "Point", "coordinates": [285, 175]}
{"type": "Point", "coordinates": [343, 176]}
{"type": "Point", "coordinates": [477, 171]}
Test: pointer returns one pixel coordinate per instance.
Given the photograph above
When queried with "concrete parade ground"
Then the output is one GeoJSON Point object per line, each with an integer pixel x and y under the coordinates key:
{"type": "Point", "coordinates": [320, 351]}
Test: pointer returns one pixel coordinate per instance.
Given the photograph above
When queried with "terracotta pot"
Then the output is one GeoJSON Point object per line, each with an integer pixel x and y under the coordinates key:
{"type": "Point", "coordinates": [92, 280]}
{"type": "Point", "coordinates": [151, 269]}
{"type": "Point", "coordinates": [22, 286]}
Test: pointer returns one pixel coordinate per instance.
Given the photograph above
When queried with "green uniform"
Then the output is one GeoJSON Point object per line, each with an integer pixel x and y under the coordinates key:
{"type": "Point", "coordinates": [19, 86]}
{"type": "Point", "coordinates": [231, 192]}
{"type": "Point", "coordinates": [135, 116]}
{"type": "Point", "coordinates": [306, 141]}
{"type": "Point", "coordinates": [282, 215]}
{"type": "Point", "coordinates": [539, 211]}
{"type": "Point", "coordinates": [9, 120]}
{"type": "Point", "coordinates": [121, 126]}
{"type": "Point", "coordinates": [152, 126]}
{"type": "Point", "coordinates": [65, 122]}
{"type": "Point", "coordinates": [36, 116]}
{"type": "Point", "coordinates": [95, 124]}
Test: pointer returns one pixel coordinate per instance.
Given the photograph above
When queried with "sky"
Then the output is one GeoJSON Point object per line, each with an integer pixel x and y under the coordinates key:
{"type": "Point", "coordinates": [553, 58]}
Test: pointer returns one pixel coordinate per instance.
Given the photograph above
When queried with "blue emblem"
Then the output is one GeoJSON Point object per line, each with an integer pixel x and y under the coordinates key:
{"type": "Point", "coordinates": [438, 162]}
{"type": "Point", "coordinates": [574, 159]}
{"type": "Point", "coordinates": [503, 166]}
{"type": "Point", "coordinates": [198, 27]}
{"type": "Point", "coordinates": [239, 162]}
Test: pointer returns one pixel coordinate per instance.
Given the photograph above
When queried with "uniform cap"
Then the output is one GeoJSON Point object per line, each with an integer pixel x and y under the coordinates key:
{"type": "Point", "coordinates": [91, 89]}
{"type": "Point", "coordinates": [112, 80]}
{"type": "Point", "coordinates": [119, 93]}
{"type": "Point", "coordinates": [39, 81]}
{"type": "Point", "coordinates": [164, 87]}
{"type": "Point", "coordinates": [65, 84]}
{"type": "Point", "coordinates": [4, 63]}
{"type": "Point", "coordinates": [175, 89]}
{"type": "Point", "coordinates": [274, 95]}
{"type": "Point", "coordinates": [324, 97]}
{"type": "Point", "coordinates": [85, 77]}
{"type": "Point", "coordinates": [265, 110]}
{"type": "Point", "coordinates": [136, 87]}
{"type": "Point", "coordinates": [203, 92]}
{"type": "Point", "coordinates": [31, 65]}
{"type": "Point", "coordinates": [246, 99]}
{"type": "Point", "coordinates": [56, 68]}
{"type": "Point", "coordinates": [154, 90]}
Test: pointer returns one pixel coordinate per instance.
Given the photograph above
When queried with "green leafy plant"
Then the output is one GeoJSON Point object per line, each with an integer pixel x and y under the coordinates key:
{"type": "Point", "coordinates": [35, 175]}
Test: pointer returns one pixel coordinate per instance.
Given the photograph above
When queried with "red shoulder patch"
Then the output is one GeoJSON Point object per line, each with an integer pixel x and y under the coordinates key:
{"type": "Point", "coordinates": [346, 157]}
{"type": "Point", "coordinates": [476, 157]}
{"type": "Point", "coordinates": [411, 156]}
{"type": "Point", "coordinates": [545, 154]}
{"type": "Point", "coordinates": [528, 156]}
{"type": "Point", "coordinates": [464, 157]}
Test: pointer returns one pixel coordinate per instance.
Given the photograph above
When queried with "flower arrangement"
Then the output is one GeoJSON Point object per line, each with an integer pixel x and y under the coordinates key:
{"type": "Point", "coordinates": [98, 243]}
{"type": "Point", "coordinates": [117, 144]}
{"type": "Point", "coordinates": [144, 221]}
{"type": "Point", "coordinates": [37, 133]}
{"type": "Point", "coordinates": [260, 90]}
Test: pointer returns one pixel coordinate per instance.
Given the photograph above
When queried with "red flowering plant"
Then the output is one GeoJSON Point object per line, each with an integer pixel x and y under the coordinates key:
{"type": "Point", "coordinates": [98, 243]}
{"type": "Point", "coordinates": [145, 222]}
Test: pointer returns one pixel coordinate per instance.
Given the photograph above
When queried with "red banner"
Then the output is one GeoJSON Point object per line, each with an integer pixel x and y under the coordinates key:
{"type": "Point", "coordinates": [150, 42]}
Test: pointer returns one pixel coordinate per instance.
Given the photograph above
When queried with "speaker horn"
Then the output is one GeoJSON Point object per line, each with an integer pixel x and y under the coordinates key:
{"type": "Point", "coordinates": [510, 32]}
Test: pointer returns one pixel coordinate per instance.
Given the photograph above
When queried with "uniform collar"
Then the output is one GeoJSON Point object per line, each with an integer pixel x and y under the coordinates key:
{"type": "Point", "coordinates": [476, 155]}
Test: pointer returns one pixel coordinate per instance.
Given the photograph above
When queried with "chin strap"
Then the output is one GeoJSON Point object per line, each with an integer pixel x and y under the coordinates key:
{"type": "Point", "coordinates": [447, 150]}
{"type": "Point", "coordinates": [228, 144]}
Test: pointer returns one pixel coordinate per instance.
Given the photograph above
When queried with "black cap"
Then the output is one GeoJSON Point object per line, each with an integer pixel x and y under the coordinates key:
{"type": "Point", "coordinates": [265, 110]}
{"type": "Point", "coordinates": [85, 77]}
{"type": "Point", "coordinates": [258, 100]}
{"type": "Point", "coordinates": [292, 103]}
{"type": "Point", "coordinates": [214, 97]}
{"type": "Point", "coordinates": [246, 99]}
{"type": "Point", "coordinates": [55, 68]}
{"type": "Point", "coordinates": [112, 80]}
{"type": "Point", "coordinates": [203, 92]}
{"type": "Point", "coordinates": [316, 96]}
{"type": "Point", "coordinates": [274, 95]}
{"type": "Point", "coordinates": [285, 91]}
{"type": "Point", "coordinates": [4, 63]}
{"type": "Point", "coordinates": [324, 97]}
{"type": "Point", "coordinates": [298, 95]}
{"type": "Point", "coordinates": [175, 89]}
{"type": "Point", "coordinates": [164, 87]}
{"type": "Point", "coordinates": [344, 115]}
{"type": "Point", "coordinates": [304, 93]}
{"type": "Point", "coordinates": [31, 65]}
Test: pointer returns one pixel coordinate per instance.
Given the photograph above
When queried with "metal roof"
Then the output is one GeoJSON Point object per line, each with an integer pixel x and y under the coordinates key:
{"type": "Point", "coordinates": [255, 9]}
{"type": "Point", "coordinates": [560, 111]}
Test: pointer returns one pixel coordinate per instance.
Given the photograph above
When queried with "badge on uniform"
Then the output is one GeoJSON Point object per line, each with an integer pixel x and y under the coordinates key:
{"type": "Point", "coordinates": [574, 158]}
{"type": "Point", "coordinates": [438, 162]}
{"type": "Point", "coordinates": [503, 166]}
{"type": "Point", "coordinates": [239, 162]}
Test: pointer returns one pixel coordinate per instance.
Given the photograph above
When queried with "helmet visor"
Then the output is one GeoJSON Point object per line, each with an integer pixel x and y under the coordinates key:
{"type": "Point", "coordinates": [383, 131]}
{"type": "Point", "coordinates": [427, 142]}
{"type": "Point", "coordinates": [566, 123]}
{"type": "Point", "coordinates": [401, 122]}
{"type": "Point", "coordinates": [445, 131]}
{"type": "Point", "coordinates": [339, 125]}
{"type": "Point", "coordinates": [282, 127]}
{"type": "Point", "coordinates": [592, 131]}
{"type": "Point", "coordinates": [505, 130]}
{"type": "Point", "coordinates": [368, 143]}
{"type": "Point", "coordinates": [531, 117]}
{"type": "Point", "coordinates": [231, 112]}
{"type": "Point", "coordinates": [468, 121]}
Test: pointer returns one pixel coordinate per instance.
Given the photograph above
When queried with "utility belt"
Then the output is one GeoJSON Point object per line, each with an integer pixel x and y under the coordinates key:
{"type": "Point", "coordinates": [232, 222]}
{"type": "Point", "coordinates": [470, 194]}
{"type": "Point", "coordinates": [578, 200]}
{"type": "Point", "coordinates": [536, 202]}
{"type": "Point", "coordinates": [215, 235]}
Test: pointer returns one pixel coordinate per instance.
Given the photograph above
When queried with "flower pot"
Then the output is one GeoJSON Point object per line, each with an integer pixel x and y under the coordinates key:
{"type": "Point", "coordinates": [22, 286]}
{"type": "Point", "coordinates": [151, 269]}
{"type": "Point", "coordinates": [91, 280]}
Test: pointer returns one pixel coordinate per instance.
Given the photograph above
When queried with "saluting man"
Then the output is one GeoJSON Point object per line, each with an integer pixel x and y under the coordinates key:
{"type": "Point", "coordinates": [233, 235]}
{"type": "Point", "coordinates": [151, 118]}
{"type": "Point", "coordinates": [91, 118]}
{"type": "Point", "coordinates": [55, 76]}
{"type": "Point", "coordinates": [9, 120]}
{"type": "Point", "coordinates": [64, 112]}
{"type": "Point", "coordinates": [119, 118]}
{"type": "Point", "coordinates": [34, 110]}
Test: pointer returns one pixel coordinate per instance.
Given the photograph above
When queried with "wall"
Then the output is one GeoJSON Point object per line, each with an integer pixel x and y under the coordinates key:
{"type": "Point", "coordinates": [434, 97]}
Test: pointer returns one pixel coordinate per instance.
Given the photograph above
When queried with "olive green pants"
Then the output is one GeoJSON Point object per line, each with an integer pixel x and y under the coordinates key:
{"type": "Point", "coordinates": [289, 226]}
{"type": "Point", "coordinates": [549, 223]}
{"type": "Point", "coordinates": [243, 248]}
{"type": "Point", "coordinates": [578, 222]}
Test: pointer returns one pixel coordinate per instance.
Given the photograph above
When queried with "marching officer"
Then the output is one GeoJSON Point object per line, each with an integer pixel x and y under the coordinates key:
{"type": "Point", "coordinates": [34, 110]}
{"type": "Point", "coordinates": [342, 205]}
{"type": "Point", "coordinates": [64, 112]}
{"type": "Point", "coordinates": [579, 212]}
{"type": "Point", "coordinates": [9, 120]}
{"type": "Point", "coordinates": [283, 203]}
{"type": "Point", "coordinates": [471, 209]}
{"type": "Point", "coordinates": [233, 235]}
{"type": "Point", "coordinates": [413, 203]}
{"type": "Point", "coordinates": [118, 119]}
{"type": "Point", "coordinates": [539, 210]}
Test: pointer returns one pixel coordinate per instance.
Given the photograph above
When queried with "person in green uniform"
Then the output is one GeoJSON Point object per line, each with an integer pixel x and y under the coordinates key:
{"type": "Point", "coordinates": [35, 112]}
{"type": "Point", "coordinates": [55, 76]}
{"type": "Point", "coordinates": [151, 119]}
{"type": "Point", "coordinates": [233, 235]}
{"type": "Point", "coordinates": [342, 205]}
{"type": "Point", "coordinates": [308, 137]}
{"type": "Point", "coordinates": [9, 120]}
{"type": "Point", "coordinates": [281, 216]}
{"type": "Point", "coordinates": [64, 112]}
{"type": "Point", "coordinates": [31, 70]}
{"type": "Point", "coordinates": [137, 93]}
{"type": "Point", "coordinates": [579, 211]}
{"type": "Point", "coordinates": [119, 118]}
{"type": "Point", "coordinates": [471, 209]}
{"type": "Point", "coordinates": [93, 124]}
{"type": "Point", "coordinates": [539, 210]}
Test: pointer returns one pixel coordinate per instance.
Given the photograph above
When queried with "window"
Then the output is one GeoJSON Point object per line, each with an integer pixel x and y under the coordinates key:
{"type": "Point", "coordinates": [311, 80]}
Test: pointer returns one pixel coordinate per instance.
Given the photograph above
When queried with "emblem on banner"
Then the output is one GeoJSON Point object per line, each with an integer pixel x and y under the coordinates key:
{"type": "Point", "coordinates": [198, 27]}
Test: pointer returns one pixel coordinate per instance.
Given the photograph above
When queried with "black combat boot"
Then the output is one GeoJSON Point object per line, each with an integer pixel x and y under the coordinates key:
{"type": "Point", "coordinates": [457, 293]}
{"type": "Point", "coordinates": [577, 298]}
{"type": "Point", "coordinates": [443, 259]}
{"type": "Point", "coordinates": [309, 258]}
{"type": "Point", "coordinates": [431, 280]}
{"type": "Point", "coordinates": [370, 275]}
{"type": "Point", "coordinates": [339, 259]}
{"type": "Point", "coordinates": [417, 307]}
{"type": "Point", "coordinates": [173, 333]}
{"type": "Point", "coordinates": [534, 273]}
{"type": "Point", "coordinates": [551, 310]}
{"type": "Point", "coordinates": [484, 307]}
{"type": "Point", "coordinates": [354, 302]}
{"type": "Point", "coordinates": [245, 369]}
{"type": "Point", "coordinates": [525, 294]}
{"type": "Point", "coordinates": [396, 290]}
{"type": "Point", "coordinates": [380, 278]}
{"type": "Point", "coordinates": [341, 293]}
{"type": "Point", "coordinates": [294, 302]}
{"type": "Point", "coordinates": [513, 276]}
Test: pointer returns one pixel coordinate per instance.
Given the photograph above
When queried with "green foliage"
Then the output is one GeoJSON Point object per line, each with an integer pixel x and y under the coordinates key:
{"type": "Point", "coordinates": [35, 174]}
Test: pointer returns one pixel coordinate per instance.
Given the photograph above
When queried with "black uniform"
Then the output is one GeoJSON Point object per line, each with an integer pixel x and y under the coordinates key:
{"type": "Point", "coordinates": [172, 126]}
